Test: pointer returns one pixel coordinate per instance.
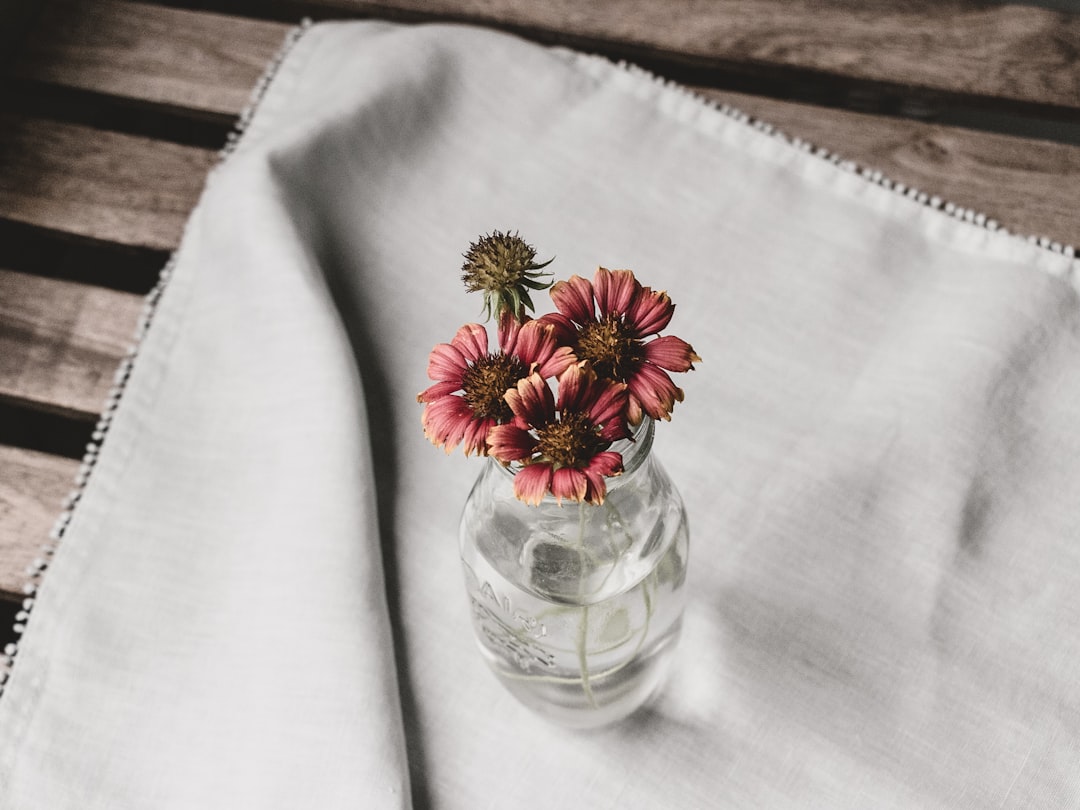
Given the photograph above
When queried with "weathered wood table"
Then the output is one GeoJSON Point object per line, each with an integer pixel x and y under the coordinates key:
{"type": "Point", "coordinates": [113, 113]}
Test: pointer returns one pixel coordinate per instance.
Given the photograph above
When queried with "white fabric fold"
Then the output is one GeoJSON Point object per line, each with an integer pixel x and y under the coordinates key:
{"type": "Point", "coordinates": [879, 453]}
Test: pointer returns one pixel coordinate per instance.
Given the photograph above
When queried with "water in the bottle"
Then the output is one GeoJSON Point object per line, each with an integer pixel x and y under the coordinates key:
{"type": "Point", "coordinates": [579, 664]}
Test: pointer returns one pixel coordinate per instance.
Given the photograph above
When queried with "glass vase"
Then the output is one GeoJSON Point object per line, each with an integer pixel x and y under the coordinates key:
{"type": "Point", "coordinates": [577, 607]}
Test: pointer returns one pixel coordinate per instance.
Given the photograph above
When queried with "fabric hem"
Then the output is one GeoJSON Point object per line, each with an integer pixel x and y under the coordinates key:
{"type": "Point", "coordinates": [1061, 255]}
{"type": "Point", "coordinates": [36, 571]}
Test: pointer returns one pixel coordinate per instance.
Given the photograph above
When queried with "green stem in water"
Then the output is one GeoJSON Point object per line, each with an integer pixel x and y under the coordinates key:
{"type": "Point", "coordinates": [583, 625]}
{"type": "Point", "coordinates": [583, 660]}
{"type": "Point", "coordinates": [644, 629]}
{"type": "Point", "coordinates": [642, 634]}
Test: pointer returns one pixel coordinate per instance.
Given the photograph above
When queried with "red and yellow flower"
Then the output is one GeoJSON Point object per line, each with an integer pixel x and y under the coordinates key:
{"type": "Point", "coordinates": [467, 399]}
{"type": "Point", "coordinates": [613, 323]}
{"type": "Point", "coordinates": [563, 445]}
{"type": "Point", "coordinates": [603, 347]}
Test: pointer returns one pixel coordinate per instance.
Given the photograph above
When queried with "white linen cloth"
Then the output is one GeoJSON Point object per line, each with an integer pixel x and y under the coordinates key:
{"type": "Point", "coordinates": [879, 456]}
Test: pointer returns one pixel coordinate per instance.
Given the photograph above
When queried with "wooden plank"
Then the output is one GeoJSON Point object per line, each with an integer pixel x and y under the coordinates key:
{"type": "Point", "coordinates": [976, 52]}
{"type": "Point", "coordinates": [1023, 56]}
{"type": "Point", "coordinates": [97, 184]}
{"type": "Point", "coordinates": [61, 342]}
{"type": "Point", "coordinates": [1031, 187]}
{"type": "Point", "coordinates": [194, 61]}
{"type": "Point", "coordinates": [1027, 186]}
{"type": "Point", "coordinates": [138, 192]}
{"type": "Point", "coordinates": [33, 487]}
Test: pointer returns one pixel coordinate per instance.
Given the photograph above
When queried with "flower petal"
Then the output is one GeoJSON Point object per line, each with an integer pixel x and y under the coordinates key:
{"type": "Point", "coordinates": [574, 299]}
{"type": "Point", "coordinates": [670, 352]}
{"type": "Point", "coordinates": [649, 312]}
{"type": "Point", "coordinates": [531, 402]}
{"type": "Point", "coordinates": [534, 341]}
{"type": "Point", "coordinates": [565, 331]}
{"type": "Point", "coordinates": [538, 349]}
{"type": "Point", "coordinates": [574, 388]}
{"type": "Point", "coordinates": [438, 390]}
{"type": "Point", "coordinates": [561, 359]}
{"type": "Point", "coordinates": [570, 484]}
{"type": "Point", "coordinates": [597, 489]}
{"type": "Point", "coordinates": [472, 341]}
{"type": "Point", "coordinates": [606, 463]}
{"type": "Point", "coordinates": [510, 443]}
{"type": "Point", "coordinates": [445, 421]}
{"type": "Point", "coordinates": [475, 439]}
{"type": "Point", "coordinates": [509, 328]}
{"type": "Point", "coordinates": [655, 391]}
{"type": "Point", "coordinates": [602, 464]}
{"type": "Point", "coordinates": [615, 429]}
{"type": "Point", "coordinates": [532, 482]}
{"type": "Point", "coordinates": [608, 401]}
{"type": "Point", "coordinates": [446, 362]}
{"type": "Point", "coordinates": [615, 289]}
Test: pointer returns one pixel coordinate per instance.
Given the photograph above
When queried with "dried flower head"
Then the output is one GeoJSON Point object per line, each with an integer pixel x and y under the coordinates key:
{"type": "Point", "coordinates": [612, 323]}
{"type": "Point", "coordinates": [468, 397]}
{"type": "Point", "coordinates": [563, 445]}
{"type": "Point", "coordinates": [503, 267]}
{"type": "Point", "coordinates": [556, 392]}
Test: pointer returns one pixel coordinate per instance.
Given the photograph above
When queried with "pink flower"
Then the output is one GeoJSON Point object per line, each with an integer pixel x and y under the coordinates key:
{"type": "Point", "coordinates": [467, 399]}
{"type": "Point", "coordinates": [562, 446]}
{"type": "Point", "coordinates": [608, 323]}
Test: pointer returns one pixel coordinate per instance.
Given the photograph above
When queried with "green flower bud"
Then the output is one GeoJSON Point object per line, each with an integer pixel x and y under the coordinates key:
{"type": "Point", "coordinates": [503, 267]}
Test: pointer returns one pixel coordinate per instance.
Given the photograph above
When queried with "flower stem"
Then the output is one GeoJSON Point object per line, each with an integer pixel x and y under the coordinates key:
{"type": "Point", "coordinates": [583, 625]}
{"type": "Point", "coordinates": [583, 661]}
{"type": "Point", "coordinates": [644, 630]}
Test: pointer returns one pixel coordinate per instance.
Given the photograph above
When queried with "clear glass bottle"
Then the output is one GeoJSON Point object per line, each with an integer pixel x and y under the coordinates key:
{"type": "Point", "coordinates": [576, 607]}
